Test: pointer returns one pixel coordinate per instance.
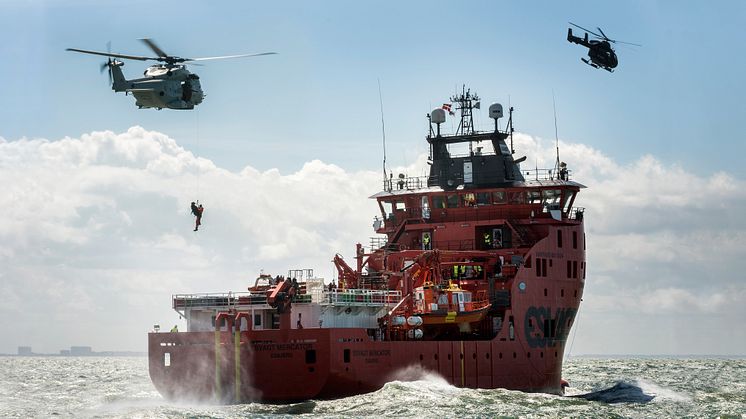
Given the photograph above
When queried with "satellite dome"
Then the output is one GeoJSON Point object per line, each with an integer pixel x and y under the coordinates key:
{"type": "Point", "coordinates": [438, 116]}
{"type": "Point", "coordinates": [496, 111]}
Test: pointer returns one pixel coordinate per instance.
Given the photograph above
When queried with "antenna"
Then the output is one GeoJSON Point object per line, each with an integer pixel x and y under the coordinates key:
{"type": "Point", "coordinates": [383, 133]}
{"type": "Point", "coordinates": [510, 125]}
{"type": "Point", "coordinates": [556, 136]}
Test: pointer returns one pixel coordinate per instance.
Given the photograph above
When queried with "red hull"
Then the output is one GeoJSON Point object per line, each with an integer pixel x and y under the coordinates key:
{"type": "Point", "coordinates": [281, 371]}
{"type": "Point", "coordinates": [319, 363]}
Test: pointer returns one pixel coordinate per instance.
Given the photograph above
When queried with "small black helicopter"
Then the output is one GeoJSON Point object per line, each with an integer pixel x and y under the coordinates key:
{"type": "Point", "coordinates": [167, 85]}
{"type": "Point", "coordinates": [599, 50]}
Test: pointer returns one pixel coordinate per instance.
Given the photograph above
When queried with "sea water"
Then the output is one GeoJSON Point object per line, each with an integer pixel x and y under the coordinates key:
{"type": "Point", "coordinates": [110, 387]}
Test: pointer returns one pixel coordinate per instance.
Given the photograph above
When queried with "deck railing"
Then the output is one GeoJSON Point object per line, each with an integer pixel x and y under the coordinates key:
{"type": "Point", "coordinates": [418, 182]}
{"type": "Point", "coordinates": [181, 301]}
{"type": "Point", "coordinates": [359, 297]}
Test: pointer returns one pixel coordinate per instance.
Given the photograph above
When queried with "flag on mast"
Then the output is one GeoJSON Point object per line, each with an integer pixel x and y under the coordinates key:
{"type": "Point", "coordinates": [447, 107]}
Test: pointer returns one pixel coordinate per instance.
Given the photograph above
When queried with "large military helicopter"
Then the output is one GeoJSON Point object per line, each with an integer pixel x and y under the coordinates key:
{"type": "Point", "coordinates": [165, 85]}
{"type": "Point", "coordinates": [599, 50]}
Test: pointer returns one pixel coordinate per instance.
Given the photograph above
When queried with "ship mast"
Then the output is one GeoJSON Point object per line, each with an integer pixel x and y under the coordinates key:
{"type": "Point", "coordinates": [465, 102]}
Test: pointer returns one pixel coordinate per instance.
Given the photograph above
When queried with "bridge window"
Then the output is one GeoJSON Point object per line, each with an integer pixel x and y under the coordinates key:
{"type": "Point", "coordinates": [452, 201]}
{"type": "Point", "coordinates": [388, 209]}
{"type": "Point", "coordinates": [567, 200]}
{"type": "Point", "coordinates": [551, 196]}
{"type": "Point", "coordinates": [484, 198]}
{"type": "Point", "coordinates": [439, 201]}
{"type": "Point", "coordinates": [516, 197]}
{"type": "Point", "coordinates": [468, 200]}
{"type": "Point", "coordinates": [533, 197]}
{"type": "Point", "coordinates": [498, 197]}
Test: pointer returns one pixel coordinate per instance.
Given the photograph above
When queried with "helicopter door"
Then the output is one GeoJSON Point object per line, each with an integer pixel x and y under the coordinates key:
{"type": "Point", "coordinates": [186, 91]}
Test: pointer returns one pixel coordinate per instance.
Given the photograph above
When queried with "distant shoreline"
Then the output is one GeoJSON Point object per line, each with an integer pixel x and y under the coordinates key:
{"type": "Point", "coordinates": [584, 356]}
{"type": "Point", "coordinates": [659, 356]}
{"type": "Point", "coordinates": [91, 355]}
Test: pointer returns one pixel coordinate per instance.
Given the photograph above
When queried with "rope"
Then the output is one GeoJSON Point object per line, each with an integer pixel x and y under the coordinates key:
{"type": "Point", "coordinates": [577, 323]}
{"type": "Point", "coordinates": [199, 172]}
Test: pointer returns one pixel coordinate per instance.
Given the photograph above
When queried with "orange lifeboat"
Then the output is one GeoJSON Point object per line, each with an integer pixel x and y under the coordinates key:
{"type": "Point", "coordinates": [450, 305]}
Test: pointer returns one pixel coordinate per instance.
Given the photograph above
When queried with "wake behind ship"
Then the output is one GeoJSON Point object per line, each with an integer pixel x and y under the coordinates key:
{"type": "Point", "coordinates": [476, 275]}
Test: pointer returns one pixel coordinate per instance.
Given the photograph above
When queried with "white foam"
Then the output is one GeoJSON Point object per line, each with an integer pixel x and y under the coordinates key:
{"type": "Point", "coordinates": [661, 393]}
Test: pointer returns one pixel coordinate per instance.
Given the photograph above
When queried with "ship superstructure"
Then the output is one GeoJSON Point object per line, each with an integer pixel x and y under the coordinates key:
{"type": "Point", "coordinates": [476, 274]}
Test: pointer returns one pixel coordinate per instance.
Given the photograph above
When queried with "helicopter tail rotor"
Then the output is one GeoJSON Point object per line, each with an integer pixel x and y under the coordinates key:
{"type": "Point", "coordinates": [107, 63]}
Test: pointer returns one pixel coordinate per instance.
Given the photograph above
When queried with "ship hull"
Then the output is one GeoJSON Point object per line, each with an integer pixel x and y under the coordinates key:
{"type": "Point", "coordinates": [301, 364]}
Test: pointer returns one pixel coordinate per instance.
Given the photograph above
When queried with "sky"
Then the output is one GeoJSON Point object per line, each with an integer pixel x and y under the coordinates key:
{"type": "Point", "coordinates": [286, 149]}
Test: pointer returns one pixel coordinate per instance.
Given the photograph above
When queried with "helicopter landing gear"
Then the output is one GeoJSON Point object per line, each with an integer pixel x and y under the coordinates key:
{"type": "Point", "coordinates": [592, 64]}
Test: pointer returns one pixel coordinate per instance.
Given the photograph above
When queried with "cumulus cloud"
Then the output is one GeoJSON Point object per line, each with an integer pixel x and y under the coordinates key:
{"type": "Point", "coordinates": [98, 236]}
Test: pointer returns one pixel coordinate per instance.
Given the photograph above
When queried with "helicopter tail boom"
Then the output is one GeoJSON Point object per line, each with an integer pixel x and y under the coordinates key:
{"type": "Point", "coordinates": [576, 39]}
{"type": "Point", "coordinates": [118, 82]}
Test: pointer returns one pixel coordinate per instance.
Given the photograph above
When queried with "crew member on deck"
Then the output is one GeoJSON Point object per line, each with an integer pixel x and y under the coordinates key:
{"type": "Point", "coordinates": [175, 329]}
{"type": "Point", "coordinates": [197, 211]}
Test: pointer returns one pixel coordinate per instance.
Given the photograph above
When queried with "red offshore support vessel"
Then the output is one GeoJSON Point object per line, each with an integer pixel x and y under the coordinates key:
{"type": "Point", "coordinates": [478, 279]}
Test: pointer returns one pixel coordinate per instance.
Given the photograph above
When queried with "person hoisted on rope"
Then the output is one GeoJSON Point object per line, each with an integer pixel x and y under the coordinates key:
{"type": "Point", "coordinates": [197, 211]}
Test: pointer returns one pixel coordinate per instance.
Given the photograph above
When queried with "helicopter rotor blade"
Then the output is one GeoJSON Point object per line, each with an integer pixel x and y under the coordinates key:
{"type": "Point", "coordinates": [107, 54]}
{"type": "Point", "coordinates": [627, 43]}
{"type": "Point", "coordinates": [587, 30]}
{"type": "Point", "coordinates": [228, 56]}
{"type": "Point", "coordinates": [615, 41]}
{"type": "Point", "coordinates": [149, 42]}
{"type": "Point", "coordinates": [604, 35]}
